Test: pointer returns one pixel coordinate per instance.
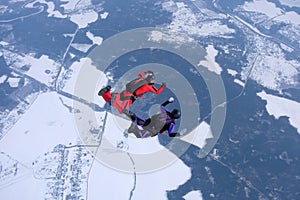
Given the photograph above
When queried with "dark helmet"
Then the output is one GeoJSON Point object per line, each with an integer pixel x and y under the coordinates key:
{"type": "Point", "coordinates": [176, 113]}
{"type": "Point", "coordinates": [149, 76]}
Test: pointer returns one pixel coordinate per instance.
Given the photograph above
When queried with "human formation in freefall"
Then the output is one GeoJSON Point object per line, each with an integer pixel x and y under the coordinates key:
{"type": "Point", "coordinates": [142, 128]}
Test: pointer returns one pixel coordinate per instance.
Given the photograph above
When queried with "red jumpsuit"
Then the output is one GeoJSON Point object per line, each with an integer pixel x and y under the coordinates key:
{"type": "Point", "coordinates": [122, 101]}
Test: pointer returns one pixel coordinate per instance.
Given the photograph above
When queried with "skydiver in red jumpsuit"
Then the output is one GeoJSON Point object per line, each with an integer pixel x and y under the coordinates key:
{"type": "Point", "coordinates": [134, 89]}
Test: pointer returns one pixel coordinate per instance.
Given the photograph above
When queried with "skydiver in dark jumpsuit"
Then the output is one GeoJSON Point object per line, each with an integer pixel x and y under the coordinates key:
{"type": "Point", "coordinates": [159, 123]}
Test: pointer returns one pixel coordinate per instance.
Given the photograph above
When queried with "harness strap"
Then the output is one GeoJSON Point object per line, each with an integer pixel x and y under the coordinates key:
{"type": "Point", "coordinates": [123, 97]}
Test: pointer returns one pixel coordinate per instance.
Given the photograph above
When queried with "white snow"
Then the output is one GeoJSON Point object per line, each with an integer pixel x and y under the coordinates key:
{"type": "Point", "coordinates": [263, 6]}
{"type": "Point", "coordinates": [112, 184]}
{"type": "Point", "coordinates": [13, 82]}
{"type": "Point", "coordinates": [169, 37]}
{"type": "Point", "coordinates": [3, 43]}
{"type": "Point", "coordinates": [14, 74]}
{"type": "Point", "coordinates": [38, 67]}
{"type": "Point", "coordinates": [51, 9]}
{"type": "Point", "coordinates": [11, 170]}
{"type": "Point", "coordinates": [80, 12]}
{"type": "Point", "coordinates": [232, 72]}
{"type": "Point", "coordinates": [214, 28]}
{"type": "Point", "coordinates": [270, 67]}
{"type": "Point", "coordinates": [68, 35]}
{"type": "Point", "coordinates": [81, 47]}
{"type": "Point", "coordinates": [84, 19]}
{"type": "Point", "coordinates": [72, 4]}
{"type": "Point", "coordinates": [96, 40]}
{"type": "Point", "coordinates": [169, 6]}
{"type": "Point", "coordinates": [72, 55]}
{"type": "Point", "coordinates": [241, 83]}
{"type": "Point", "coordinates": [3, 78]}
{"type": "Point", "coordinates": [44, 125]}
{"type": "Point", "coordinates": [3, 9]}
{"type": "Point", "coordinates": [107, 183]}
{"type": "Point", "coordinates": [270, 9]}
{"type": "Point", "coordinates": [10, 117]}
{"type": "Point", "coordinates": [273, 71]}
{"type": "Point", "coordinates": [253, 28]}
{"type": "Point", "coordinates": [193, 195]}
{"type": "Point", "coordinates": [181, 4]}
{"type": "Point", "coordinates": [278, 106]}
{"type": "Point", "coordinates": [95, 80]}
{"type": "Point", "coordinates": [27, 188]}
{"type": "Point", "coordinates": [285, 47]}
{"type": "Point", "coordinates": [161, 181]}
{"type": "Point", "coordinates": [210, 62]}
{"type": "Point", "coordinates": [186, 21]}
{"type": "Point", "coordinates": [290, 3]}
{"type": "Point", "coordinates": [199, 135]}
{"type": "Point", "coordinates": [290, 18]}
{"type": "Point", "coordinates": [104, 15]}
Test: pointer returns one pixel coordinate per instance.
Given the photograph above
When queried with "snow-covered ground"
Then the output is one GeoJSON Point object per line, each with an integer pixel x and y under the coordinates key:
{"type": "Point", "coordinates": [210, 62]}
{"type": "Point", "coordinates": [26, 188]}
{"type": "Point", "coordinates": [3, 78]}
{"type": "Point", "coordinates": [291, 3]}
{"type": "Point", "coordinates": [253, 28]}
{"type": "Point", "coordinates": [85, 16]}
{"type": "Point", "coordinates": [278, 106]}
{"type": "Point", "coordinates": [10, 117]}
{"type": "Point", "coordinates": [82, 16]}
{"type": "Point", "coordinates": [270, 9]}
{"type": "Point", "coordinates": [42, 69]}
{"type": "Point", "coordinates": [274, 71]}
{"type": "Point", "coordinates": [199, 135]}
{"type": "Point", "coordinates": [104, 15]}
{"type": "Point", "coordinates": [81, 47]}
{"type": "Point", "coordinates": [96, 40]}
{"type": "Point", "coordinates": [270, 67]}
{"type": "Point", "coordinates": [85, 73]}
{"type": "Point", "coordinates": [112, 184]}
{"type": "Point", "coordinates": [84, 19]}
{"type": "Point", "coordinates": [232, 72]}
{"type": "Point", "coordinates": [241, 83]}
{"type": "Point", "coordinates": [263, 6]}
{"type": "Point", "coordinates": [184, 20]}
{"type": "Point", "coordinates": [44, 125]}
{"type": "Point", "coordinates": [13, 82]}
{"type": "Point", "coordinates": [51, 8]}
{"type": "Point", "coordinates": [193, 195]}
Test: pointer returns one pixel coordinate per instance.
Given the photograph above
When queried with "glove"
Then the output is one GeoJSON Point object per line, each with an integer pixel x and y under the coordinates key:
{"type": "Point", "coordinates": [164, 84]}
{"type": "Point", "coordinates": [171, 99]}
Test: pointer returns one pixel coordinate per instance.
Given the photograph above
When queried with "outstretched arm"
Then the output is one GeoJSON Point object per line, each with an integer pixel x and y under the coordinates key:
{"type": "Point", "coordinates": [163, 105]}
{"type": "Point", "coordinates": [154, 90]}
